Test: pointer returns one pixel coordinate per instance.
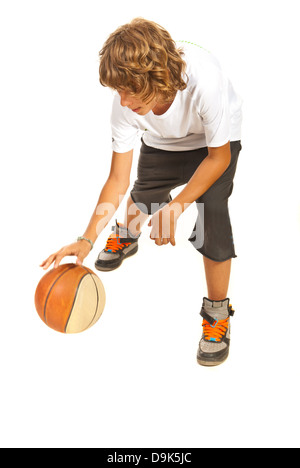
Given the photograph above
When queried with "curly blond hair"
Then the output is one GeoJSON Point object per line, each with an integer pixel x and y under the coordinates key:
{"type": "Point", "coordinates": [141, 57]}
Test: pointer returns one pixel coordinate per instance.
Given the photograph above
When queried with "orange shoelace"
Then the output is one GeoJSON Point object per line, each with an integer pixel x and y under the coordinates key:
{"type": "Point", "coordinates": [215, 333]}
{"type": "Point", "coordinates": [113, 244]}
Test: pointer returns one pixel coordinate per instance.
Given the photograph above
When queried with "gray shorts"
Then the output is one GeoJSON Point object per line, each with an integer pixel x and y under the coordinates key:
{"type": "Point", "coordinates": [160, 171]}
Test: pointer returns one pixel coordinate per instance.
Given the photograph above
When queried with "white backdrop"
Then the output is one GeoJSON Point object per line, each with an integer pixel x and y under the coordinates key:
{"type": "Point", "coordinates": [133, 380]}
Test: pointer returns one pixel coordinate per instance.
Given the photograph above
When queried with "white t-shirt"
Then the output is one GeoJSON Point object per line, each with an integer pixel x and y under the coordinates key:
{"type": "Point", "coordinates": [207, 113]}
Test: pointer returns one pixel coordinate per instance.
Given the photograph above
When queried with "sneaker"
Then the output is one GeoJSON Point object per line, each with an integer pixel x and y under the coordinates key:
{"type": "Point", "coordinates": [121, 244]}
{"type": "Point", "coordinates": [214, 346]}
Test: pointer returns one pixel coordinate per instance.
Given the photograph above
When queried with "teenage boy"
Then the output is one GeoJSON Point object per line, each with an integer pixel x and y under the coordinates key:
{"type": "Point", "coordinates": [190, 116]}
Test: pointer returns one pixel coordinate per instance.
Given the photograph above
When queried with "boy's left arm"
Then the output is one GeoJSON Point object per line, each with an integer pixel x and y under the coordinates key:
{"type": "Point", "coordinates": [164, 221]}
{"type": "Point", "coordinates": [208, 172]}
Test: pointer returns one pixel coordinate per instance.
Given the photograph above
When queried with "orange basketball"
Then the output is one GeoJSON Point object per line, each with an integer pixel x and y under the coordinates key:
{"type": "Point", "coordinates": [70, 298]}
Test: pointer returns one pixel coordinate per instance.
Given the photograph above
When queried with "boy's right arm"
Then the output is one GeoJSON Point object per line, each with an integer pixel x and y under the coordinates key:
{"type": "Point", "coordinates": [111, 195]}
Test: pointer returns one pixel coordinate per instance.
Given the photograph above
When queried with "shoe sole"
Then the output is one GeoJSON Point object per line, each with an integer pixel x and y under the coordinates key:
{"type": "Point", "coordinates": [211, 363]}
{"type": "Point", "coordinates": [103, 268]}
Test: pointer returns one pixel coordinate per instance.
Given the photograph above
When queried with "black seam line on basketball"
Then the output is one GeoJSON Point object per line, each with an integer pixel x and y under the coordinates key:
{"type": "Point", "coordinates": [92, 276]}
{"type": "Point", "coordinates": [46, 301]}
{"type": "Point", "coordinates": [77, 289]}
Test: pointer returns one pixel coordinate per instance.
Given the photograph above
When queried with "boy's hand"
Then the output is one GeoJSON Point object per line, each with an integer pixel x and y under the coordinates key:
{"type": "Point", "coordinates": [80, 249]}
{"type": "Point", "coordinates": [164, 224]}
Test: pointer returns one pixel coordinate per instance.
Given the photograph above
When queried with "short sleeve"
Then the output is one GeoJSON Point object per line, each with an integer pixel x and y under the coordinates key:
{"type": "Point", "coordinates": [214, 111]}
{"type": "Point", "coordinates": [124, 133]}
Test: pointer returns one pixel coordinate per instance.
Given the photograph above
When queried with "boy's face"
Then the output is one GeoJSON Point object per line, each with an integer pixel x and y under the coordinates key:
{"type": "Point", "coordinates": [136, 105]}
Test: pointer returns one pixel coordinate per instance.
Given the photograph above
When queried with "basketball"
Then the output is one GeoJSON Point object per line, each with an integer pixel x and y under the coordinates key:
{"type": "Point", "coordinates": [70, 298]}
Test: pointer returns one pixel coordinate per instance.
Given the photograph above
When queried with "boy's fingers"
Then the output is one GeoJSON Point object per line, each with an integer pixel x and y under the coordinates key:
{"type": "Point", "coordinates": [47, 262]}
{"type": "Point", "coordinates": [172, 225]}
{"type": "Point", "coordinates": [153, 235]}
{"type": "Point", "coordinates": [80, 259]}
{"type": "Point", "coordinates": [160, 224]}
{"type": "Point", "coordinates": [44, 262]}
{"type": "Point", "coordinates": [56, 263]}
{"type": "Point", "coordinates": [58, 259]}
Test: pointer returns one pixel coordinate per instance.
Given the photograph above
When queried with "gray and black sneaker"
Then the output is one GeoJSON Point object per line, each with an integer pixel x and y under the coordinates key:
{"type": "Point", "coordinates": [214, 345]}
{"type": "Point", "coordinates": [121, 244]}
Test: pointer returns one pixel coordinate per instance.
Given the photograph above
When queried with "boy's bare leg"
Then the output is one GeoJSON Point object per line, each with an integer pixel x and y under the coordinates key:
{"type": "Point", "coordinates": [217, 278]}
{"type": "Point", "coordinates": [134, 217]}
